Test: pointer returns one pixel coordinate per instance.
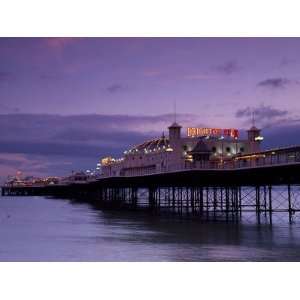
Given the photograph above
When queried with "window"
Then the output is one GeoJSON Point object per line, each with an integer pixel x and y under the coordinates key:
{"type": "Point", "coordinates": [227, 149]}
{"type": "Point", "coordinates": [184, 147]}
{"type": "Point", "coordinates": [214, 149]}
{"type": "Point", "coordinates": [242, 149]}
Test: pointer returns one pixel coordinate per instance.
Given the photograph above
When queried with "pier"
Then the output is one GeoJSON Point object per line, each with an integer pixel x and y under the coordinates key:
{"type": "Point", "coordinates": [209, 174]}
{"type": "Point", "coordinates": [205, 194]}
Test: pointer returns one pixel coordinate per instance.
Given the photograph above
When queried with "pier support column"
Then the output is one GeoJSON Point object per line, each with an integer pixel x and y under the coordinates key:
{"type": "Point", "coordinates": [290, 203]}
{"type": "Point", "coordinates": [215, 200]}
{"type": "Point", "coordinates": [270, 204]}
{"type": "Point", "coordinates": [265, 200]}
{"type": "Point", "coordinates": [173, 199]}
{"type": "Point", "coordinates": [201, 201]}
{"type": "Point", "coordinates": [240, 201]}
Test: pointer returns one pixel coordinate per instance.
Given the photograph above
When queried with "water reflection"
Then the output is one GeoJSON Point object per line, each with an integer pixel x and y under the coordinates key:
{"type": "Point", "coordinates": [40, 229]}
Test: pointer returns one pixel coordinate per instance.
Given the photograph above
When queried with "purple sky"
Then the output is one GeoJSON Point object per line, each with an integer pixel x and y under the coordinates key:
{"type": "Point", "coordinates": [129, 86]}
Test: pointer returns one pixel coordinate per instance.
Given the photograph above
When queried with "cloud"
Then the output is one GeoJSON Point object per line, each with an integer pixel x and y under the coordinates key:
{"type": "Point", "coordinates": [228, 67]}
{"type": "Point", "coordinates": [283, 135]}
{"type": "Point", "coordinates": [276, 83]}
{"type": "Point", "coordinates": [261, 112]}
{"type": "Point", "coordinates": [115, 88]}
{"type": "Point", "coordinates": [264, 115]}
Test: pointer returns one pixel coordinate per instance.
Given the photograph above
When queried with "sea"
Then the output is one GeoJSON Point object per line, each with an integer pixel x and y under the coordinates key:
{"type": "Point", "coordinates": [46, 229]}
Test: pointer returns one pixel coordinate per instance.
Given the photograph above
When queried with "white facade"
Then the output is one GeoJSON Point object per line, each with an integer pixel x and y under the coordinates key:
{"type": "Point", "coordinates": [177, 153]}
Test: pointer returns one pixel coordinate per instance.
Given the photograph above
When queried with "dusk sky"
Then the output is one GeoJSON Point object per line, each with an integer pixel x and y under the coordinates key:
{"type": "Point", "coordinates": [66, 102]}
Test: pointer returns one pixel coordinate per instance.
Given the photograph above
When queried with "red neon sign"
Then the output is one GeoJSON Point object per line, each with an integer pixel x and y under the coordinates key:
{"type": "Point", "coordinates": [228, 132]}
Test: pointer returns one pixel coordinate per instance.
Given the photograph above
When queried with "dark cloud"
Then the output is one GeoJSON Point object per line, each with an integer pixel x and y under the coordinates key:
{"type": "Point", "coordinates": [84, 127]}
{"type": "Point", "coordinates": [69, 135]}
{"type": "Point", "coordinates": [264, 115]}
{"type": "Point", "coordinates": [284, 135]}
{"type": "Point", "coordinates": [261, 112]}
{"type": "Point", "coordinates": [228, 67]}
{"type": "Point", "coordinates": [276, 83]}
{"type": "Point", "coordinates": [279, 135]}
{"type": "Point", "coordinates": [115, 88]}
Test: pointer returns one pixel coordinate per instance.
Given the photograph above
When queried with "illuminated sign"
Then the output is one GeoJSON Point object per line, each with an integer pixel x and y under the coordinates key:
{"type": "Point", "coordinates": [229, 132]}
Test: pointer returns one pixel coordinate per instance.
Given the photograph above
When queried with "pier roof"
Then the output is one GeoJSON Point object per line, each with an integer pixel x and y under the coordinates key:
{"type": "Point", "coordinates": [162, 142]}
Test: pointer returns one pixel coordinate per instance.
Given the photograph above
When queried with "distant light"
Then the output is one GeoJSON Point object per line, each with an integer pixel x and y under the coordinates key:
{"type": "Point", "coordinates": [259, 138]}
{"type": "Point", "coordinates": [221, 137]}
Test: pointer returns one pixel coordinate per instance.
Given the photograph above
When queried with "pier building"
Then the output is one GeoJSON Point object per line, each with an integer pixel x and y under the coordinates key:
{"type": "Point", "coordinates": [203, 148]}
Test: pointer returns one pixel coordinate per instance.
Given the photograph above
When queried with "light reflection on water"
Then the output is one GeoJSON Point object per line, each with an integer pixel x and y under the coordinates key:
{"type": "Point", "coordinates": [40, 229]}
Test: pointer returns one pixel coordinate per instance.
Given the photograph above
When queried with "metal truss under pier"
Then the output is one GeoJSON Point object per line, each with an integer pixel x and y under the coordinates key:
{"type": "Point", "coordinates": [223, 195]}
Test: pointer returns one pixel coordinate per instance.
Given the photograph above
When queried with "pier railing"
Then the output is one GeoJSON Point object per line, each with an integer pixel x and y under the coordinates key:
{"type": "Point", "coordinates": [258, 160]}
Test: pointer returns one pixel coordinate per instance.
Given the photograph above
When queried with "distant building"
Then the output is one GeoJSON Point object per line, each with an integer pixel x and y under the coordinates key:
{"type": "Point", "coordinates": [200, 148]}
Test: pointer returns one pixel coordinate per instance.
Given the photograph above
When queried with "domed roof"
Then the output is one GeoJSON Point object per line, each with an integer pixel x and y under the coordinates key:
{"type": "Point", "coordinates": [151, 145]}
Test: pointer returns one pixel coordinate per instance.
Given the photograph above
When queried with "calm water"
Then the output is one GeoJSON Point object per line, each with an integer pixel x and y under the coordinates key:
{"type": "Point", "coordinates": [41, 229]}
